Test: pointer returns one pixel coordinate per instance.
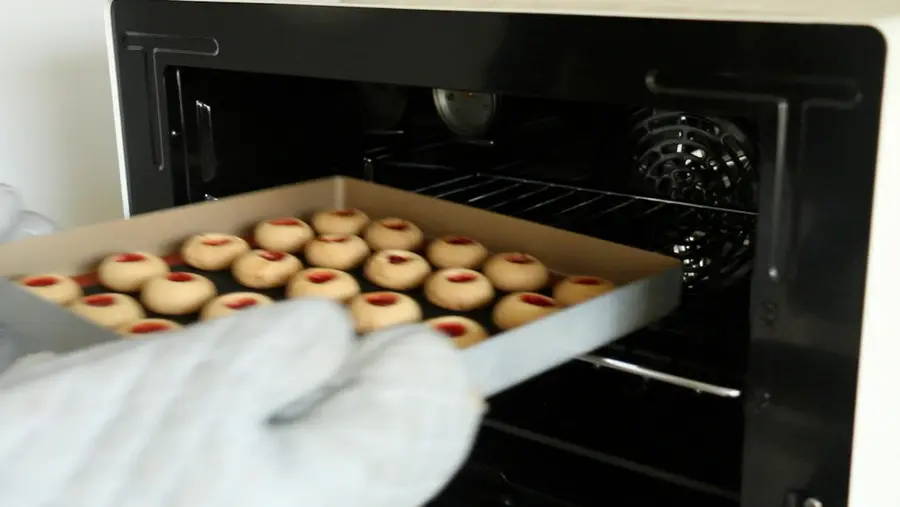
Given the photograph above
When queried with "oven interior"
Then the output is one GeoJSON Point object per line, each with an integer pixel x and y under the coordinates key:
{"type": "Point", "coordinates": [656, 417]}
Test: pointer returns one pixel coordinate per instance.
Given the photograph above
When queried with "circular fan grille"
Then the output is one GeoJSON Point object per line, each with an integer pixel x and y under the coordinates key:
{"type": "Point", "coordinates": [691, 158]}
{"type": "Point", "coordinates": [716, 249]}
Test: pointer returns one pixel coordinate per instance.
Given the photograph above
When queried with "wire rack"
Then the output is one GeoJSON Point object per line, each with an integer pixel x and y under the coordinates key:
{"type": "Point", "coordinates": [702, 345]}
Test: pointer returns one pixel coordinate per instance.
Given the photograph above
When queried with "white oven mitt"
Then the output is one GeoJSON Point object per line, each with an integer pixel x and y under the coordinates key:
{"type": "Point", "coordinates": [185, 419]}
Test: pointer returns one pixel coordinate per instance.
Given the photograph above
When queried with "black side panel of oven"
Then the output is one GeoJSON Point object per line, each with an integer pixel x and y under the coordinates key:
{"type": "Point", "coordinates": [818, 88]}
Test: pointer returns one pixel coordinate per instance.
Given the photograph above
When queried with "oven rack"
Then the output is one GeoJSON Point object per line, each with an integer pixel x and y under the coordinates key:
{"type": "Point", "coordinates": [692, 348]}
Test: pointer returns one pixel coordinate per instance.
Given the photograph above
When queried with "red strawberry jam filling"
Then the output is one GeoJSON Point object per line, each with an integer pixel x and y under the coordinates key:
{"type": "Point", "coordinates": [180, 277]}
{"type": "Point", "coordinates": [333, 239]}
{"type": "Point", "coordinates": [538, 300]}
{"type": "Point", "coordinates": [100, 300]}
{"type": "Point", "coordinates": [321, 277]}
{"type": "Point", "coordinates": [397, 259]}
{"type": "Point", "coordinates": [519, 259]}
{"type": "Point", "coordinates": [459, 240]}
{"type": "Point", "coordinates": [451, 329]}
{"type": "Point", "coordinates": [587, 280]}
{"type": "Point", "coordinates": [272, 256]}
{"type": "Point", "coordinates": [149, 327]}
{"type": "Point", "coordinates": [240, 304]}
{"type": "Point", "coordinates": [216, 241]}
{"type": "Point", "coordinates": [285, 221]}
{"type": "Point", "coordinates": [396, 225]}
{"type": "Point", "coordinates": [41, 281]}
{"type": "Point", "coordinates": [130, 257]}
{"type": "Point", "coordinates": [381, 299]}
{"type": "Point", "coordinates": [344, 212]}
{"type": "Point", "coordinates": [461, 278]}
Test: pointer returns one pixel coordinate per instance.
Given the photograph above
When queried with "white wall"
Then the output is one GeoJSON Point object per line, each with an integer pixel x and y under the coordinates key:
{"type": "Point", "coordinates": [57, 140]}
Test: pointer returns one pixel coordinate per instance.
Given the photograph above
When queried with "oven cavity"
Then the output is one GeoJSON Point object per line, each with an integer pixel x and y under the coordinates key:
{"type": "Point", "coordinates": [676, 181]}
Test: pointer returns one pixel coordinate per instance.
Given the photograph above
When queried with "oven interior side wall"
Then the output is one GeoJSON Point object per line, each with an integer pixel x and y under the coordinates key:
{"type": "Point", "coordinates": [809, 287]}
{"type": "Point", "coordinates": [500, 55]}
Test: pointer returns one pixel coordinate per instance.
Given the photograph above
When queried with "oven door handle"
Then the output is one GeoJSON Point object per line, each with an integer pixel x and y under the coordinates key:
{"type": "Point", "coordinates": [206, 142]}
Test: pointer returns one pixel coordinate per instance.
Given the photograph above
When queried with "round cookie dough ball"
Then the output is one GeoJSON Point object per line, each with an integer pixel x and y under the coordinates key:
{"type": "Point", "coordinates": [394, 234]}
{"type": "Point", "coordinates": [516, 272]}
{"type": "Point", "coordinates": [459, 289]}
{"type": "Point", "coordinates": [177, 293]}
{"type": "Point", "coordinates": [456, 252]}
{"type": "Point", "coordinates": [283, 234]}
{"type": "Point", "coordinates": [227, 304]}
{"type": "Point", "coordinates": [127, 272]}
{"type": "Point", "coordinates": [376, 310]}
{"type": "Point", "coordinates": [349, 221]}
{"type": "Point", "coordinates": [108, 310]}
{"type": "Point", "coordinates": [576, 289]}
{"type": "Point", "coordinates": [262, 269]}
{"type": "Point", "coordinates": [397, 269]}
{"type": "Point", "coordinates": [58, 289]}
{"type": "Point", "coordinates": [213, 252]}
{"type": "Point", "coordinates": [324, 283]}
{"type": "Point", "coordinates": [520, 308]}
{"type": "Point", "coordinates": [148, 326]}
{"type": "Point", "coordinates": [337, 251]}
{"type": "Point", "coordinates": [464, 332]}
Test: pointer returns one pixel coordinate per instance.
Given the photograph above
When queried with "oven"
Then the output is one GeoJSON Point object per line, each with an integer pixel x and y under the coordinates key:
{"type": "Point", "coordinates": [742, 142]}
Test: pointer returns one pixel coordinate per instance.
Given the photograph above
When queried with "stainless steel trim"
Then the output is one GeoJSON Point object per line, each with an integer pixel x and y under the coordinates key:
{"type": "Point", "coordinates": [696, 385]}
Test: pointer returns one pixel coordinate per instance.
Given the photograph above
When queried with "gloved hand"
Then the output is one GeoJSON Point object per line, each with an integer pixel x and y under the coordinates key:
{"type": "Point", "coordinates": [277, 406]}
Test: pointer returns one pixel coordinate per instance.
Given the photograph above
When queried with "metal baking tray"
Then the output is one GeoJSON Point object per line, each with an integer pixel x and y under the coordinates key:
{"type": "Point", "coordinates": [648, 284]}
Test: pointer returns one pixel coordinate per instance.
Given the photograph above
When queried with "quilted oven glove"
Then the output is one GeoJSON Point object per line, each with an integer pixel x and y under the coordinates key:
{"type": "Point", "coordinates": [278, 406]}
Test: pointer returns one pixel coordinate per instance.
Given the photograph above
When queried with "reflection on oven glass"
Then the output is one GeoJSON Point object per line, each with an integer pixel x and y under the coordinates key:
{"type": "Point", "coordinates": [383, 106]}
{"type": "Point", "coordinates": [465, 113]}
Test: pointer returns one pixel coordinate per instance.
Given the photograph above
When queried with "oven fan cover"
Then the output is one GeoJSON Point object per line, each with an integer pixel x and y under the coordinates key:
{"type": "Point", "coordinates": [692, 158]}
{"type": "Point", "coordinates": [715, 248]}
{"type": "Point", "coordinates": [702, 160]}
